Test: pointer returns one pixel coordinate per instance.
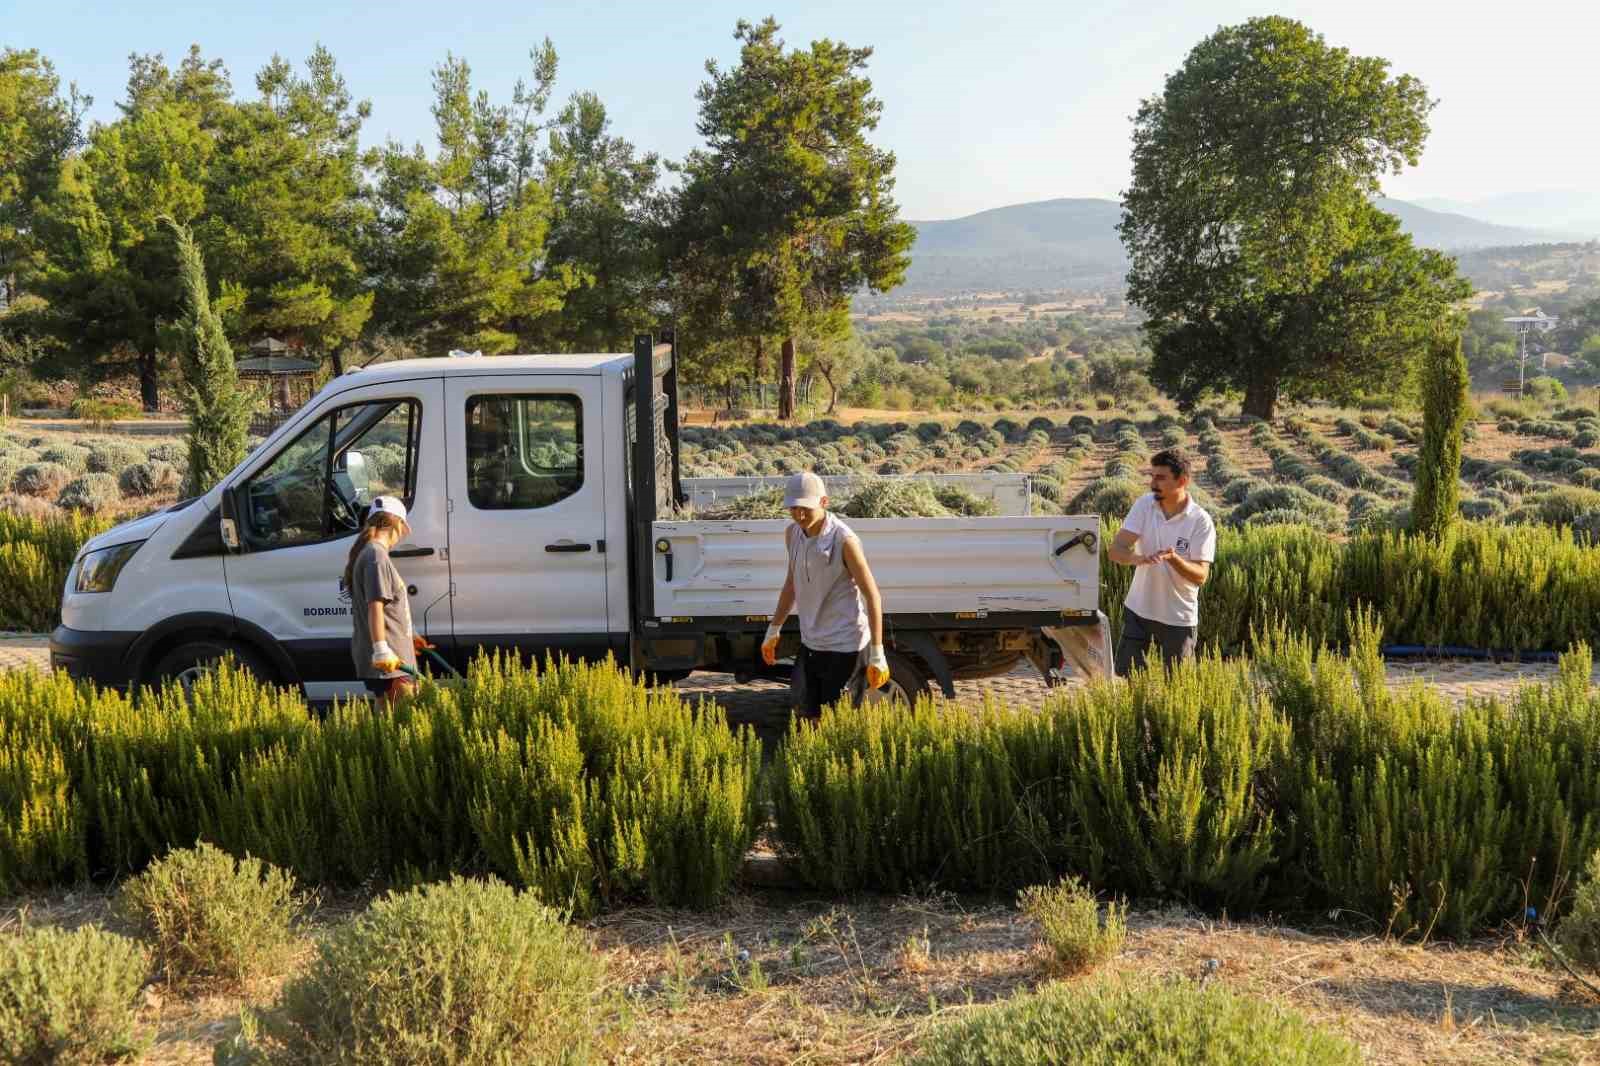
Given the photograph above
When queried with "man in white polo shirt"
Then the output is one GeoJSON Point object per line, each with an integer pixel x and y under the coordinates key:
{"type": "Point", "coordinates": [1171, 542]}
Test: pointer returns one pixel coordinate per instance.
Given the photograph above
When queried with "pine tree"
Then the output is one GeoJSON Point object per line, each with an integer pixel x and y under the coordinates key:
{"type": "Point", "coordinates": [1444, 416]}
{"type": "Point", "coordinates": [219, 412]}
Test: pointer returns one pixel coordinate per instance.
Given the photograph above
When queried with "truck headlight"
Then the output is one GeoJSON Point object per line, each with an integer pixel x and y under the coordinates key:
{"type": "Point", "coordinates": [98, 570]}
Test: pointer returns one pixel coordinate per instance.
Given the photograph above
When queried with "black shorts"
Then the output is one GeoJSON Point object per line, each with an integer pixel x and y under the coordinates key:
{"type": "Point", "coordinates": [1140, 635]}
{"type": "Point", "coordinates": [824, 676]}
{"type": "Point", "coordinates": [380, 686]}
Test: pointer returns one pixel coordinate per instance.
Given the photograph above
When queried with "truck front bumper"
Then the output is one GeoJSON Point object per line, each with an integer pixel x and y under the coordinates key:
{"type": "Point", "coordinates": [94, 655]}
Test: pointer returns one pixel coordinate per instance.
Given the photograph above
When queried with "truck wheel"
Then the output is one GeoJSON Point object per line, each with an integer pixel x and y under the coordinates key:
{"type": "Point", "coordinates": [193, 659]}
{"type": "Point", "coordinates": [908, 679]}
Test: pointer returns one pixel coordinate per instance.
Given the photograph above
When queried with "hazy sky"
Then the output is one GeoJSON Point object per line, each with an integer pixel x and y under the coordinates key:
{"type": "Point", "coordinates": [985, 104]}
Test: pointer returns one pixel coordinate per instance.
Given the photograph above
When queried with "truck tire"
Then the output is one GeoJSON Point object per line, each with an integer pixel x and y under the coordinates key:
{"type": "Point", "coordinates": [909, 680]}
{"type": "Point", "coordinates": [185, 663]}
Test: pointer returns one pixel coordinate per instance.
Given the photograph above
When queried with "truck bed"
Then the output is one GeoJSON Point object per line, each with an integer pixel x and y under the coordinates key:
{"type": "Point", "coordinates": [1008, 492]}
{"type": "Point", "coordinates": [936, 566]}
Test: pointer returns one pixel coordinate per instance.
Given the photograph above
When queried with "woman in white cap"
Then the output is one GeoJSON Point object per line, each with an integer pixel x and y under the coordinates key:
{"type": "Point", "coordinates": [830, 588]}
{"type": "Point", "coordinates": [379, 605]}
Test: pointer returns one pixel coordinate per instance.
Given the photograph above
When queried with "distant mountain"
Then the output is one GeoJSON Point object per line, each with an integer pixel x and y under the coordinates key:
{"type": "Point", "coordinates": [1451, 231]}
{"type": "Point", "coordinates": [1051, 244]}
{"type": "Point", "coordinates": [1571, 212]}
{"type": "Point", "coordinates": [1058, 244]}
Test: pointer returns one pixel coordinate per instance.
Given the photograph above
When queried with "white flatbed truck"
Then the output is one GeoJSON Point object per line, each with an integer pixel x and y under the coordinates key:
{"type": "Point", "coordinates": [543, 523]}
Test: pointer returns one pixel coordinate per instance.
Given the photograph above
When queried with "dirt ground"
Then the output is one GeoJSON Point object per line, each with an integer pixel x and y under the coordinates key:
{"type": "Point", "coordinates": [780, 977]}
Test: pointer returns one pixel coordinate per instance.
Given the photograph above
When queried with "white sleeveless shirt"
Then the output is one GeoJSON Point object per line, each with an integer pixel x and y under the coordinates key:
{"type": "Point", "coordinates": [826, 600]}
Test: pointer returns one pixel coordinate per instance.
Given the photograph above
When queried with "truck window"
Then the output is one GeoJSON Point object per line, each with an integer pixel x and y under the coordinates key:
{"type": "Point", "coordinates": [523, 452]}
{"type": "Point", "coordinates": [320, 485]}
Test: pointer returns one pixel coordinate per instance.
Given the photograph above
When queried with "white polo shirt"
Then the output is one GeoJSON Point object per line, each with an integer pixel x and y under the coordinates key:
{"type": "Point", "coordinates": [1158, 593]}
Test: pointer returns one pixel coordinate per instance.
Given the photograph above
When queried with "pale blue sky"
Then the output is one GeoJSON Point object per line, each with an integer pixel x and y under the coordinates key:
{"type": "Point", "coordinates": [984, 104]}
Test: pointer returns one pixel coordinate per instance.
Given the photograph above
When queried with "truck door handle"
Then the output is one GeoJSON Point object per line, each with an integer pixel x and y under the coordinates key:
{"type": "Point", "coordinates": [409, 553]}
{"type": "Point", "coordinates": [567, 547]}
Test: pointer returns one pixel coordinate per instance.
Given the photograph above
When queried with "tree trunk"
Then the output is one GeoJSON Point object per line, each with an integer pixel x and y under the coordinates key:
{"type": "Point", "coordinates": [338, 362]}
{"type": "Point", "coordinates": [1261, 396]}
{"type": "Point", "coordinates": [786, 382]}
{"type": "Point", "coordinates": [833, 394]}
{"type": "Point", "coordinates": [148, 393]}
{"type": "Point", "coordinates": [761, 361]}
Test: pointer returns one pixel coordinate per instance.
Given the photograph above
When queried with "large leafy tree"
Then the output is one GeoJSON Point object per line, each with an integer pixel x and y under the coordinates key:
{"type": "Point", "coordinates": [39, 127]}
{"type": "Point", "coordinates": [789, 207]}
{"type": "Point", "coordinates": [270, 188]}
{"type": "Point", "coordinates": [108, 274]}
{"type": "Point", "coordinates": [602, 226]}
{"type": "Point", "coordinates": [1254, 247]}
{"type": "Point", "coordinates": [457, 241]}
{"type": "Point", "coordinates": [283, 206]}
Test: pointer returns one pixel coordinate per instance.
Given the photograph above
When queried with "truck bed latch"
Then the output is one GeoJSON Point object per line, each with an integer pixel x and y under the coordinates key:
{"type": "Point", "coordinates": [1086, 538]}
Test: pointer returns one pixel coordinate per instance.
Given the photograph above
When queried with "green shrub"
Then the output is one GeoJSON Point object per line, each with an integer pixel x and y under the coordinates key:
{"type": "Point", "coordinates": [148, 479]}
{"type": "Point", "coordinates": [91, 494]}
{"type": "Point", "coordinates": [1563, 506]}
{"type": "Point", "coordinates": [1579, 932]}
{"type": "Point", "coordinates": [69, 998]}
{"type": "Point", "coordinates": [1107, 496]}
{"type": "Point", "coordinates": [573, 779]}
{"type": "Point", "coordinates": [111, 457]}
{"type": "Point", "coordinates": [1069, 918]}
{"type": "Point", "coordinates": [1124, 1023]}
{"type": "Point", "coordinates": [102, 413]}
{"type": "Point", "coordinates": [1239, 489]}
{"type": "Point", "coordinates": [42, 479]}
{"type": "Point", "coordinates": [170, 452]}
{"type": "Point", "coordinates": [208, 916]}
{"type": "Point", "coordinates": [1314, 510]}
{"type": "Point", "coordinates": [464, 972]}
{"type": "Point", "coordinates": [35, 555]}
{"type": "Point", "coordinates": [72, 456]}
{"type": "Point", "coordinates": [887, 796]}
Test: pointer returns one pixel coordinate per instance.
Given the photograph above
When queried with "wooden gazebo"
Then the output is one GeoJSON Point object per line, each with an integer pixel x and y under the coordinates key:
{"type": "Point", "coordinates": [285, 380]}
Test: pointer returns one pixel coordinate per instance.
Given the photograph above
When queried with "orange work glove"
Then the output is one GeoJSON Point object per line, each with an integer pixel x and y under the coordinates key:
{"type": "Point", "coordinates": [877, 667]}
{"type": "Point", "coordinates": [769, 644]}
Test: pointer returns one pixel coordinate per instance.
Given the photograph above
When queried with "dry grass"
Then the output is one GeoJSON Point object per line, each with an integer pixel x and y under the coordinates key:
{"type": "Point", "coordinates": [775, 977]}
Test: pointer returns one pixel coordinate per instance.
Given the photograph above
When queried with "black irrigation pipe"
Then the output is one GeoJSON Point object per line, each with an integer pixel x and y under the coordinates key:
{"type": "Point", "coordinates": [1451, 651]}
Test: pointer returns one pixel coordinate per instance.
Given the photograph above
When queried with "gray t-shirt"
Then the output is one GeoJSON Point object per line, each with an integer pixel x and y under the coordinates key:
{"type": "Point", "coordinates": [374, 578]}
{"type": "Point", "coordinates": [826, 599]}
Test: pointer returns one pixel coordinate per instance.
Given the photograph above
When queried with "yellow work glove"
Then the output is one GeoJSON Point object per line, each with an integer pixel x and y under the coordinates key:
{"type": "Point", "coordinates": [877, 667]}
{"type": "Point", "coordinates": [769, 644]}
{"type": "Point", "coordinates": [383, 658]}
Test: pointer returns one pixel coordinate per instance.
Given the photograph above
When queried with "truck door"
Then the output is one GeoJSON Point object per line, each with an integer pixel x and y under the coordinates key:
{"type": "Point", "coordinates": [527, 514]}
{"type": "Point", "coordinates": [299, 509]}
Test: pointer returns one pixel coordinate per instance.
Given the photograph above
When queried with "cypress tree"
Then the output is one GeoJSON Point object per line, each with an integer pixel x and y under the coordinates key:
{"type": "Point", "coordinates": [1436, 495]}
{"type": "Point", "coordinates": [219, 411]}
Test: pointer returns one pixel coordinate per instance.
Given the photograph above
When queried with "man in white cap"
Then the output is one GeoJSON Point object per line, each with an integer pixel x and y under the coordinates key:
{"type": "Point", "coordinates": [830, 588]}
{"type": "Point", "coordinates": [379, 605]}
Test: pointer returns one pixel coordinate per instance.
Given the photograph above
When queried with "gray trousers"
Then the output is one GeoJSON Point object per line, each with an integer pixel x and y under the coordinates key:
{"type": "Point", "coordinates": [1139, 633]}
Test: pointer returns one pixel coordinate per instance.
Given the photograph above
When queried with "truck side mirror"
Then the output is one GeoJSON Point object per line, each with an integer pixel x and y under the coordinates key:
{"type": "Point", "coordinates": [229, 521]}
{"type": "Point", "coordinates": [355, 468]}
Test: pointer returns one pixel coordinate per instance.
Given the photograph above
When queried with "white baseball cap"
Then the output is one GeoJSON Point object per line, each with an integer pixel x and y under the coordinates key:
{"type": "Point", "coordinates": [805, 490]}
{"type": "Point", "coordinates": [388, 505]}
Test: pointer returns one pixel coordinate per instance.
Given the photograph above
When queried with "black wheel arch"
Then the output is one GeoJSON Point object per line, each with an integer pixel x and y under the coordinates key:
{"type": "Point", "coordinates": [167, 634]}
{"type": "Point", "coordinates": [922, 647]}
